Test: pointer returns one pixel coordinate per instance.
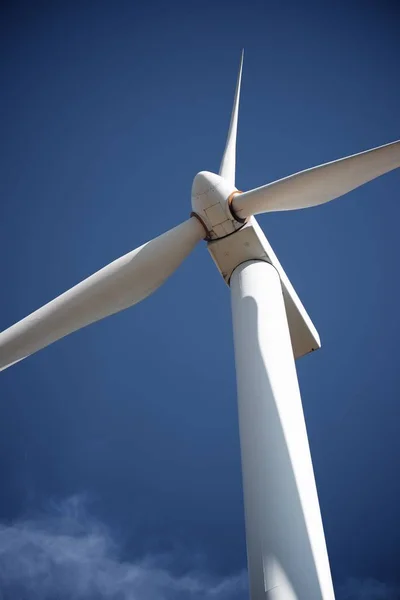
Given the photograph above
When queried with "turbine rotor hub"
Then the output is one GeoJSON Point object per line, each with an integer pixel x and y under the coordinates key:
{"type": "Point", "coordinates": [211, 205]}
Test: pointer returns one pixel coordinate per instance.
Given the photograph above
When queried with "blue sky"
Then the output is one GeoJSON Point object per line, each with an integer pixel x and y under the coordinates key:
{"type": "Point", "coordinates": [108, 110]}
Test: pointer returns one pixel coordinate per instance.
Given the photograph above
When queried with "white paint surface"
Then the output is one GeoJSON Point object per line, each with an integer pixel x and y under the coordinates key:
{"type": "Point", "coordinates": [228, 163]}
{"type": "Point", "coordinates": [250, 243]}
{"type": "Point", "coordinates": [320, 184]}
{"type": "Point", "coordinates": [287, 556]}
{"type": "Point", "coordinates": [117, 286]}
{"type": "Point", "coordinates": [209, 202]}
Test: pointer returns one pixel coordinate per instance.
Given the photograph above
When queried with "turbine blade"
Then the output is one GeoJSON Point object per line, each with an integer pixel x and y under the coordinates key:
{"type": "Point", "coordinates": [117, 286]}
{"type": "Point", "coordinates": [320, 184]}
{"type": "Point", "coordinates": [228, 164]}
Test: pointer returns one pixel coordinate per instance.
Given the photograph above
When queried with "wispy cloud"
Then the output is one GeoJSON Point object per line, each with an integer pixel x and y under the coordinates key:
{"type": "Point", "coordinates": [367, 589]}
{"type": "Point", "coordinates": [68, 554]}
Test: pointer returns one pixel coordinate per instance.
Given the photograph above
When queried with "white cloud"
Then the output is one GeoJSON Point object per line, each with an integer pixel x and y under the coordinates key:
{"type": "Point", "coordinates": [367, 589]}
{"type": "Point", "coordinates": [69, 555]}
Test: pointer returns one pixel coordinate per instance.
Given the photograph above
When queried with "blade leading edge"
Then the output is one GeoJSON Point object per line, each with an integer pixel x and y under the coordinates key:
{"type": "Point", "coordinates": [320, 184]}
{"type": "Point", "coordinates": [228, 164]}
{"type": "Point", "coordinates": [122, 283]}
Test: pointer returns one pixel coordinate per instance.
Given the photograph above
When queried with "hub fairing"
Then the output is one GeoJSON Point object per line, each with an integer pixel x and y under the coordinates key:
{"type": "Point", "coordinates": [210, 193]}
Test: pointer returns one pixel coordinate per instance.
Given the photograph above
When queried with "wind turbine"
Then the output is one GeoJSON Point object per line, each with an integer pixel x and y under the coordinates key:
{"type": "Point", "coordinates": [286, 550]}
